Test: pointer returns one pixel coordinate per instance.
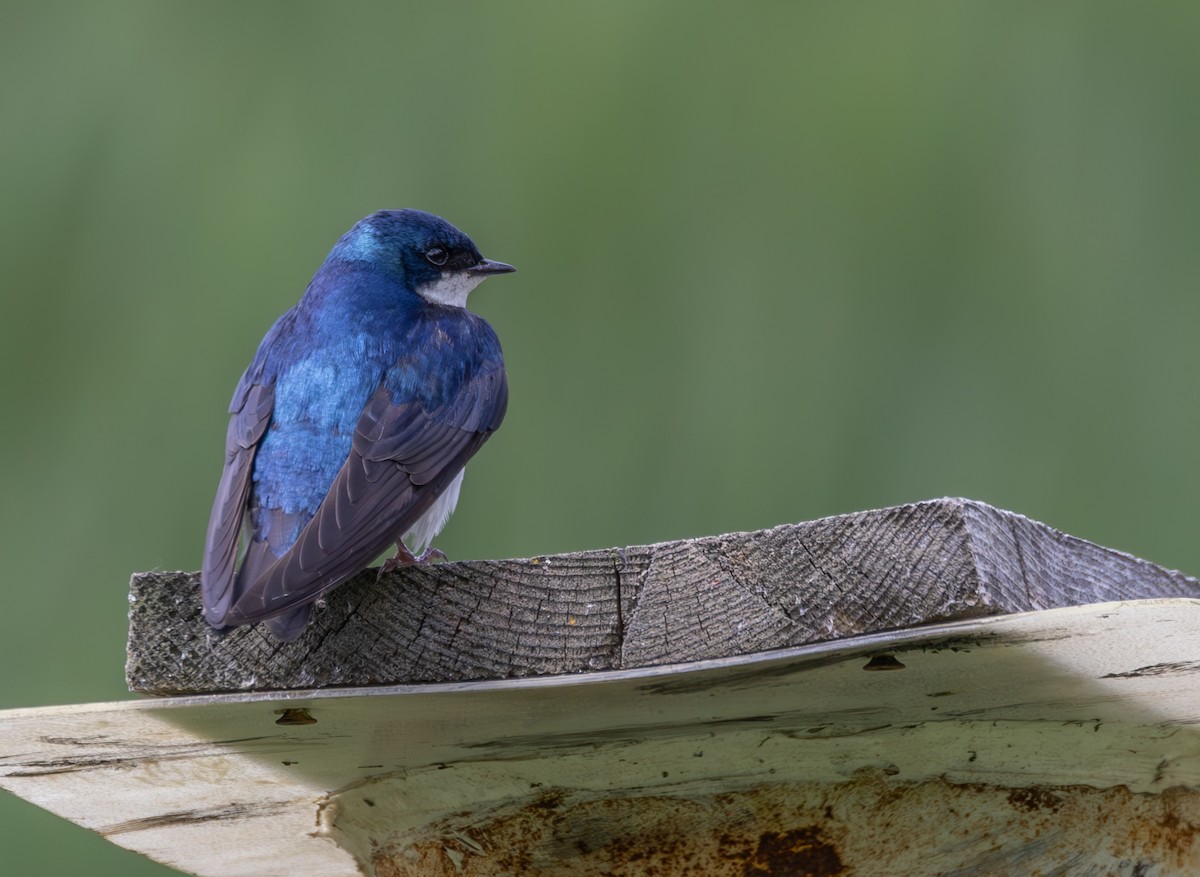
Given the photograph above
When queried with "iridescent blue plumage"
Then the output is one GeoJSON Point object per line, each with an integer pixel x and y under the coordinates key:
{"type": "Point", "coordinates": [357, 414]}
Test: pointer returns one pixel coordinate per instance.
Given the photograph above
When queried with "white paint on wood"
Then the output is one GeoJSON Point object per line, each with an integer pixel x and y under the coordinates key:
{"type": "Point", "coordinates": [1102, 696]}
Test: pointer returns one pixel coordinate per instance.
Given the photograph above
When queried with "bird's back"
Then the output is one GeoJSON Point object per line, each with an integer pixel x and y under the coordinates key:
{"type": "Point", "coordinates": [361, 407]}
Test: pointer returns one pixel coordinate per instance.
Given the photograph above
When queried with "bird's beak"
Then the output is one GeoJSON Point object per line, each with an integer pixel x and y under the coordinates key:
{"type": "Point", "coordinates": [487, 266]}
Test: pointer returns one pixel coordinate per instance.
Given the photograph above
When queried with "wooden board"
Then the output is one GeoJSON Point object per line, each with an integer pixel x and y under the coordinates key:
{"type": "Point", "coordinates": [1055, 741]}
{"type": "Point", "coordinates": [645, 605]}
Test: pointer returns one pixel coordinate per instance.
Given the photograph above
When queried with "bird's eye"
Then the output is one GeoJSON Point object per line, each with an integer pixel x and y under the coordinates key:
{"type": "Point", "coordinates": [437, 256]}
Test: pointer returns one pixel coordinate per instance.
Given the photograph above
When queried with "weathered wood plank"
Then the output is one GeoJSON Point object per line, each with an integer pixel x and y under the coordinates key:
{"type": "Point", "coordinates": [646, 605]}
{"type": "Point", "coordinates": [1062, 741]}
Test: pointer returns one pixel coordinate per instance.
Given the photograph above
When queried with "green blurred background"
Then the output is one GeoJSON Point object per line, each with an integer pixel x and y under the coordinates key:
{"type": "Point", "coordinates": [776, 262]}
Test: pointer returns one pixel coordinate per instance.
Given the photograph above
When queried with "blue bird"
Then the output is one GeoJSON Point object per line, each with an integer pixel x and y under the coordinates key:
{"type": "Point", "coordinates": [350, 429]}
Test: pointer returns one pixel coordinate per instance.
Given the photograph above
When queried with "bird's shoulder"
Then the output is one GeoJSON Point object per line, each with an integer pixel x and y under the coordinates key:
{"type": "Point", "coordinates": [264, 367]}
{"type": "Point", "coordinates": [455, 331]}
{"type": "Point", "coordinates": [446, 352]}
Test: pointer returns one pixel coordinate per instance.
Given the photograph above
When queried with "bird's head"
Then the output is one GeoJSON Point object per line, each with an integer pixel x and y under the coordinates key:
{"type": "Point", "coordinates": [431, 256]}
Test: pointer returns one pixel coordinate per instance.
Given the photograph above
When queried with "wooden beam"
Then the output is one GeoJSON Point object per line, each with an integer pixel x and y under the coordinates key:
{"type": "Point", "coordinates": [1061, 741]}
{"type": "Point", "coordinates": [643, 606]}
{"type": "Point", "coordinates": [840, 696]}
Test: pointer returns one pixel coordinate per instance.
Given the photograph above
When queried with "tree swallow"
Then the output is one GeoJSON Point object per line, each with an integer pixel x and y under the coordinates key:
{"type": "Point", "coordinates": [350, 429]}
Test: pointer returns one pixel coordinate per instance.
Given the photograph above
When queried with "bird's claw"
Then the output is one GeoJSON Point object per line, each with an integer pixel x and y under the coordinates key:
{"type": "Point", "coordinates": [430, 554]}
{"type": "Point", "coordinates": [404, 557]}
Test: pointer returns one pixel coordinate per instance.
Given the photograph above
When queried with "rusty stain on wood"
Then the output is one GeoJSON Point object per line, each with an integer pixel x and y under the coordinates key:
{"type": "Point", "coordinates": [870, 825]}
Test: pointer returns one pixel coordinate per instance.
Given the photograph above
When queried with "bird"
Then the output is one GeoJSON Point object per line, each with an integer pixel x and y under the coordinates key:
{"type": "Point", "coordinates": [350, 428]}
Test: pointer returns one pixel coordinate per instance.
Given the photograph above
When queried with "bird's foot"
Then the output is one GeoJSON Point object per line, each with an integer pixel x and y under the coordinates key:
{"type": "Point", "coordinates": [429, 555]}
{"type": "Point", "coordinates": [404, 557]}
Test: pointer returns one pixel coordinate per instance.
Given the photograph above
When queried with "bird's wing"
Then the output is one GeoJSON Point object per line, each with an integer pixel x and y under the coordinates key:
{"type": "Point", "coordinates": [403, 456]}
{"type": "Point", "coordinates": [249, 415]}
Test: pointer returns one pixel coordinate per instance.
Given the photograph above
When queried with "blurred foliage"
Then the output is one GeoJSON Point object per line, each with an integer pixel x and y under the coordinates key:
{"type": "Point", "coordinates": [777, 261]}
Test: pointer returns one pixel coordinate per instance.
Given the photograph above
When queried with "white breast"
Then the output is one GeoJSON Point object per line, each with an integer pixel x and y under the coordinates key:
{"type": "Point", "coordinates": [430, 524]}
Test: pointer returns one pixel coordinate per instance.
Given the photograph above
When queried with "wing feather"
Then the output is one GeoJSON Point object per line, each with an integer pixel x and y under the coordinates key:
{"type": "Point", "coordinates": [403, 456]}
{"type": "Point", "coordinates": [251, 412]}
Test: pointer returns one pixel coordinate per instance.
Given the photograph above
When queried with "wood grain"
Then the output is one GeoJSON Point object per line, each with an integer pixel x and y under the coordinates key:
{"type": "Point", "coordinates": [641, 606]}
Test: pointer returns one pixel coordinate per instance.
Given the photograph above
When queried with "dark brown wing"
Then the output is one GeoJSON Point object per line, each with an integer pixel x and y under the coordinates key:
{"type": "Point", "coordinates": [402, 458]}
{"type": "Point", "coordinates": [251, 412]}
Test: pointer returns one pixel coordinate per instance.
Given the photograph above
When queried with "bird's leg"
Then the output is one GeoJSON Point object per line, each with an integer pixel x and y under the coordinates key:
{"type": "Point", "coordinates": [404, 557]}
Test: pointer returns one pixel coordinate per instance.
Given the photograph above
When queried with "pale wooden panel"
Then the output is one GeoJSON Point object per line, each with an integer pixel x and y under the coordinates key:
{"type": "Point", "coordinates": [993, 746]}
